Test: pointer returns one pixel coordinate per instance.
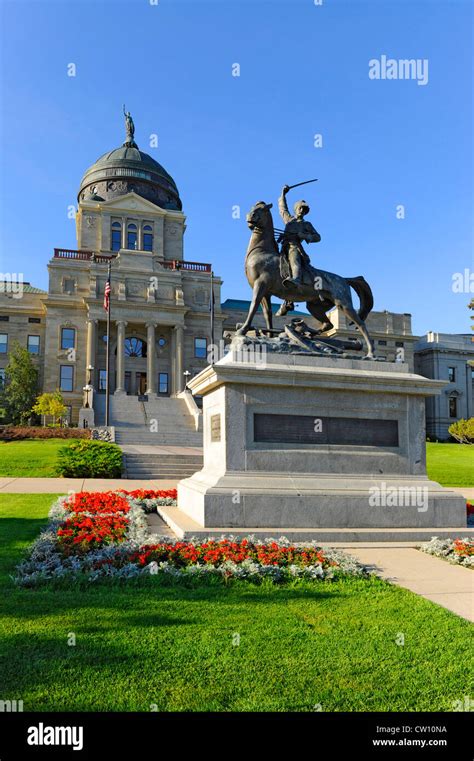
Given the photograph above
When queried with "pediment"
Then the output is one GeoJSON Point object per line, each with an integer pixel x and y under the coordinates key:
{"type": "Point", "coordinates": [131, 202]}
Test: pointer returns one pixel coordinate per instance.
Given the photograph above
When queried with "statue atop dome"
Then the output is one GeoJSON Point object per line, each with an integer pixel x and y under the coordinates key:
{"type": "Point", "coordinates": [130, 129]}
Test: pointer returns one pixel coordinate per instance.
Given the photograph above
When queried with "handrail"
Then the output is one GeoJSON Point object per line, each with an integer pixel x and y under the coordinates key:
{"type": "Point", "coordinates": [179, 264]}
{"type": "Point", "coordinates": [86, 256]}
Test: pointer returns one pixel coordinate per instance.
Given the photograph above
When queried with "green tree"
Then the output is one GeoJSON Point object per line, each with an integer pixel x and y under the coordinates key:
{"type": "Point", "coordinates": [50, 404]}
{"type": "Point", "coordinates": [463, 431]}
{"type": "Point", "coordinates": [21, 385]}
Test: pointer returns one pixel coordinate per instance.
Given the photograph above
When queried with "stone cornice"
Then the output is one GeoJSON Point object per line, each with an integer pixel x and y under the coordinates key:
{"type": "Point", "coordinates": [133, 313]}
{"type": "Point", "coordinates": [317, 375]}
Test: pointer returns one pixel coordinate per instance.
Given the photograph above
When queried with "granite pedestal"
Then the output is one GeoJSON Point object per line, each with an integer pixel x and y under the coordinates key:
{"type": "Point", "coordinates": [300, 442]}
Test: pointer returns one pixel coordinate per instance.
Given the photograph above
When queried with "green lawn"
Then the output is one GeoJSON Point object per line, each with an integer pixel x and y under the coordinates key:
{"type": "Point", "coordinates": [141, 645]}
{"type": "Point", "coordinates": [30, 457]}
{"type": "Point", "coordinates": [450, 464]}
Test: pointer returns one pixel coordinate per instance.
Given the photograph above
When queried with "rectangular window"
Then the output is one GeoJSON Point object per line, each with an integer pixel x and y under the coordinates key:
{"type": "Point", "coordinates": [163, 383]}
{"type": "Point", "coordinates": [2, 378]}
{"type": "Point", "coordinates": [399, 343]}
{"type": "Point", "coordinates": [68, 338]}
{"type": "Point", "coordinates": [147, 242]}
{"type": "Point", "coordinates": [131, 240]}
{"type": "Point", "coordinates": [102, 380]}
{"type": "Point", "coordinates": [452, 374]}
{"type": "Point", "coordinates": [36, 320]}
{"type": "Point", "coordinates": [200, 348]}
{"type": "Point", "coordinates": [382, 343]}
{"type": "Point", "coordinates": [4, 318]}
{"type": "Point", "coordinates": [34, 344]}
{"type": "Point", "coordinates": [3, 343]}
{"type": "Point", "coordinates": [66, 378]}
{"type": "Point", "coordinates": [116, 240]}
{"type": "Point", "coordinates": [453, 406]}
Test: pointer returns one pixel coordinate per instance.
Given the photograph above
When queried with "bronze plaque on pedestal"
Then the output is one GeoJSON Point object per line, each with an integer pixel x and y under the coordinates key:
{"type": "Point", "coordinates": [215, 427]}
{"type": "Point", "coordinates": [314, 429]}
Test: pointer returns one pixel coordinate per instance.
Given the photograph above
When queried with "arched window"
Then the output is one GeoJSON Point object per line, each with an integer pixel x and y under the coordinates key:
{"type": "Point", "coordinates": [135, 347]}
{"type": "Point", "coordinates": [147, 238]}
{"type": "Point", "coordinates": [131, 236]}
{"type": "Point", "coordinates": [116, 236]}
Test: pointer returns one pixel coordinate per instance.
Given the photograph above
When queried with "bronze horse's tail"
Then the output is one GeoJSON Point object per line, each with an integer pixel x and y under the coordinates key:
{"type": "Point", "coordinates": [364, 292]}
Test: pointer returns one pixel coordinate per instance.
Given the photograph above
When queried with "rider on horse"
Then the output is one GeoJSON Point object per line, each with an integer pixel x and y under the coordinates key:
{"type": "Point", "coordinates": [297, 229]}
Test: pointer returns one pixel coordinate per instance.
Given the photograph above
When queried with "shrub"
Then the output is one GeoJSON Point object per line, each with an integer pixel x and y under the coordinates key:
{"type": "Point", "coordinates": [463, 431]}
{"type": "Point", "coordinates": [16, 433]}
{"type": "Point", "coordinates": [90, 459]}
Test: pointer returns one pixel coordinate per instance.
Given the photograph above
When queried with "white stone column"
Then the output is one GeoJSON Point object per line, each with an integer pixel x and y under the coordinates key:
{"type": "Point", "coordinates": [179, 350]}
{"type": "Point", "coordinates": [150, 358]}
{"type": "Point", "coordinates": [120, 361]}
{"type": "Point", "coordinates": [90, 346]}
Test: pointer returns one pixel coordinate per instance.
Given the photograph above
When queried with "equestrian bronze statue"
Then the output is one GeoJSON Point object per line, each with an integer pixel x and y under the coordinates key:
{"type": "Point", "coordinates": [289, 275]}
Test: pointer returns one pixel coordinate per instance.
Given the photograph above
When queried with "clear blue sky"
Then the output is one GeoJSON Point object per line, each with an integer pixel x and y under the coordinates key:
{"type": "Point", "coordinates": [235, 140]}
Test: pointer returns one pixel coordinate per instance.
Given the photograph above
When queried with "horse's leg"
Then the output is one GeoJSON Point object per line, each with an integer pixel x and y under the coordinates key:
{"type": "Point", "coordinates": [317, 309]}
{"type": "Point", "coordinates": [351, 313]}
{"type": "Point", "coordinates": [267, 311]}
{"type": "Point", "coordinates": [259, 289]}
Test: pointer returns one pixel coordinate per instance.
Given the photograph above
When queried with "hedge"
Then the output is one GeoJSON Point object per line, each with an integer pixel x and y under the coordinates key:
{"type": "Point", "coordinates": [90, 459]}
{"type": "Point", "coordinates": [16, 433]}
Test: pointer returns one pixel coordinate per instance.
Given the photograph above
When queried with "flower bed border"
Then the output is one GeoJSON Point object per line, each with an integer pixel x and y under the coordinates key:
{"type": "Point", "coordinates": [456, 551]}
{"type": "Point", "coordinates": [47, 561]}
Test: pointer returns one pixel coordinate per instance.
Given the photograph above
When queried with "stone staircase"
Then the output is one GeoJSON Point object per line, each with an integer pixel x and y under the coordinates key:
{"type": "Point", "coordinates": [158, 422]}
{"type": "Point", "coordinates": [166, 466]}
{"type": "Point", "coordinates": [161, 422]}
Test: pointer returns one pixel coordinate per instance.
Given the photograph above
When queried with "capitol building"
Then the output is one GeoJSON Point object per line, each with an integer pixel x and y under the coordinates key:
{"type": "Point", "coordinates": [130, 215]}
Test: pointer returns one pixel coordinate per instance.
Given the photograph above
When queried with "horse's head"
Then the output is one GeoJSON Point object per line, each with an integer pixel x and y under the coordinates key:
{"type": "Point", "coordinates": [259, 215]}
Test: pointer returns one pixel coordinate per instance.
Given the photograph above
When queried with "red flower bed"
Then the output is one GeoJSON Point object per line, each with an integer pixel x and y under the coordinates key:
{"type": "Point", "coordinates": [151, 493]}
{"type": "Point", "coordinates": [218, 552]}
{"type": "Point", "coordinates": [463, 549]}
{"type": "Point", "coordinates": [79, 534]}
{"type": "Point", "coordinates": [97, 502]}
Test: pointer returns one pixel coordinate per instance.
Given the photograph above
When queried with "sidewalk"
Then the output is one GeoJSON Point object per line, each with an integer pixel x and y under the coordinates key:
{"type": "Point", "coordinates": [65, 485]}
{"type": "Point", "coordinates": [448, 585]}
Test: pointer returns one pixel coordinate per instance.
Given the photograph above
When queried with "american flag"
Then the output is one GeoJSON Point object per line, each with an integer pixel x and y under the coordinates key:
{"type": "Point", "coordinates": [107, 295]}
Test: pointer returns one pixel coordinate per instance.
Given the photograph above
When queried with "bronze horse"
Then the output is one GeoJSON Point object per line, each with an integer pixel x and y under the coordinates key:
{"type": "Point", "coordinates": [320, 290]}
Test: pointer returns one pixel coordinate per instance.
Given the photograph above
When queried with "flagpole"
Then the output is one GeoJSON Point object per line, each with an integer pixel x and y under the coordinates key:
{"type": "Point", "coordinates": [107, 357]}
{"type": "Point", "coordinates": [212, 310]}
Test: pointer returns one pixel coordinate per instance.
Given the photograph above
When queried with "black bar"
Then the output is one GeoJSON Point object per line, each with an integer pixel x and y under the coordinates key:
{"type": "Point", "coordinates": [152, 735]}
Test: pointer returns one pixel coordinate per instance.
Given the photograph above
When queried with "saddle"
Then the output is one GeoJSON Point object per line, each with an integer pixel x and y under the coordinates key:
{"type": "Point", "coordinates": [307, 273]}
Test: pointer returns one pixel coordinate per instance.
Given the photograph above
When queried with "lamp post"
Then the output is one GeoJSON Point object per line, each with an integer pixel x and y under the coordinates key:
{"type": "Point", "coordinates": [88, 387]}
{"type": "Point", "coordinates": [186, 378]}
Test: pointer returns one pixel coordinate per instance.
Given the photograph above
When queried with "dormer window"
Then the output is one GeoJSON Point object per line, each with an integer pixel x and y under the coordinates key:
{"type": "Point", "coordinates": [132, 236]}
{"type": "Point", "coordinates": [116, 237]}
{"type": "Point", "coordinates": [147, 238]}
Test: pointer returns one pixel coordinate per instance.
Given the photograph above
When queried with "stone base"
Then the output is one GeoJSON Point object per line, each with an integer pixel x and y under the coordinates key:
{"type": "Point", "coordinates": [298, 444]}
{"type": "Point", "coordinates": [186, 528]}
{"type": "Point", "coordinates": [262, 500]}
{"type": "Point", "coordinates": [86, 417]}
